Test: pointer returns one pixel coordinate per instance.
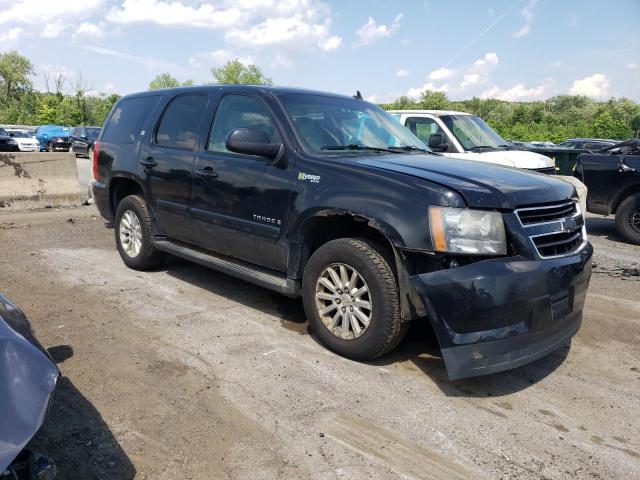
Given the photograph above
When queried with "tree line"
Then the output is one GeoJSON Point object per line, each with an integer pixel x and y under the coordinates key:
{"type": "Point", "coordinates": [555, 119]}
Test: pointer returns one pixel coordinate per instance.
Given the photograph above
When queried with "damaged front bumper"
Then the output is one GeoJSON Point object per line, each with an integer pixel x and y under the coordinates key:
{"type": "Point", "coordinates": [28, 377]}
{"type": "Point", "coordinates": [498, 314]}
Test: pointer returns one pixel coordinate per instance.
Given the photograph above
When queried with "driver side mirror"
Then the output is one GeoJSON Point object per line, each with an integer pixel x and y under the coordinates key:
{"type": "Point", "coordinates": [437, 143]}
{"type": "Point", "coordinates": [251, 141]}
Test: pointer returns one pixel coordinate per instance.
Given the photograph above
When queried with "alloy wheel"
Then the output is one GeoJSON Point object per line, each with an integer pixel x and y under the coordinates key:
{"type": "Point", "coordinates": [343, 301]}
{"type": "Point", "coordinates": [130, 233]}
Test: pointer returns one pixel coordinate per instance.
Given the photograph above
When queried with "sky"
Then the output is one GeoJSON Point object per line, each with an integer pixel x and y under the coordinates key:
{"type": "Point", "coordinates": [515, 50]}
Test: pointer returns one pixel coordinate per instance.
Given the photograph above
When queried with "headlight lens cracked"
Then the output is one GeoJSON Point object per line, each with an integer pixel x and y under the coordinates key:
{"type": "Point", "coordinates": [465, 231]}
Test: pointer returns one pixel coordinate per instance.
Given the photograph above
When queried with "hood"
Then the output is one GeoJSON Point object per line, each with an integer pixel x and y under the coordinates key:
{"type": "Point", "coordinates": [482, 185]}
{"type": "Point", "coordinates": [28, 377]}
{"type": "Point", "coordinates": [509, 158]}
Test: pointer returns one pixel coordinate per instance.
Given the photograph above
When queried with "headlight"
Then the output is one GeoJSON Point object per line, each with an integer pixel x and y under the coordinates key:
{"type": "Point", "coordinates": [460, 230]}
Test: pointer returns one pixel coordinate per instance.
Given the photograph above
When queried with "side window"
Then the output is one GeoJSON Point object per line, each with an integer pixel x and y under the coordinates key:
{"type": "Point", "coordinates": [75, 133]}
{"type": "Point", "coordinates": [127, 119]}
{"type": "Point", "coordinates": [423, 128]}
{"type": "Point", "coordinates": [240, 111]}
{"type": "Point", "coordinates": [178, 127]}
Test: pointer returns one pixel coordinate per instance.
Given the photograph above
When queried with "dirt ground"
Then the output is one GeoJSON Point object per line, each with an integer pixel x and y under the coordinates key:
{"type": "Point", "coordinates": [188, 373]}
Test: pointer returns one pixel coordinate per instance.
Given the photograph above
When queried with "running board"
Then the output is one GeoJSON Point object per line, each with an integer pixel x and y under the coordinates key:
{"type": "Point", "coordinates": [251, 273]}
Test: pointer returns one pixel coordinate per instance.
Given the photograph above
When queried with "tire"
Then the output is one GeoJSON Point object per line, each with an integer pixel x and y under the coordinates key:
{"type": "Point", "coordinates": [49, 147]}
{"type": "Point", "coordinates": [72, 151]}
{"type": "Point", "coordinates": [90, 153]}
{"type": "Point", "coordinates": [385, 329]}
{"type": "Point", "coordinates": [628, 218]}
{"type": "Point", "coordinates": [130, 210]}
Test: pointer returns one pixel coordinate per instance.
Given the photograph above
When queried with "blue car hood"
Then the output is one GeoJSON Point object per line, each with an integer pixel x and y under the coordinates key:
{"type": "Point", "coordinates": [482, 185]}
{"type": "Point", "coordinates": [28, 377]}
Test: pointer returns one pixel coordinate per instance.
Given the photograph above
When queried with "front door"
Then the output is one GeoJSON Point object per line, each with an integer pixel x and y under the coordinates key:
{"type": "Point", "coordinates": [239, 203]}
{"type": "Point", "coordinates": [166, 161]}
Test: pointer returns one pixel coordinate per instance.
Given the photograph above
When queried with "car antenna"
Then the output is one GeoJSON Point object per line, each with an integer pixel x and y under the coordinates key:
{"type": "Point", "coordinates": [358, 95]}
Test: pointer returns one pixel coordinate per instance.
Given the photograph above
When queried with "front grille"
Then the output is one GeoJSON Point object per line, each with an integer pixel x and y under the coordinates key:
{"type": "Point", "coordinates": [556, 244]}
{"type": "Point", "coordinates": [546, 213]}
{"type": "Point", "coordinates": [554, 230]}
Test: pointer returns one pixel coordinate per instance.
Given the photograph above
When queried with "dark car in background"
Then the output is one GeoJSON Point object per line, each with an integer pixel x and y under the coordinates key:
{"type": "Point", "coordinates": [53, 138]}
{"type": "Point", "coordinates": [613, 179]}
{"type": "Point", "coordinates": [7, 143]}
{"type": "Point", "coordinates": [81, 140]}
{"type": "Point", "coordinates": [591, 144]}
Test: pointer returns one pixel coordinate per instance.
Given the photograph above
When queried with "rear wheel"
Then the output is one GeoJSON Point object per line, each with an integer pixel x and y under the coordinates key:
{"type": "Point", "coordinates": [50, 147]}
{"type": "Point", "coordinates": [351, 299]}
{"type": "Point", "coordinates": [628, 218]}
{"type": "Point", "coordinates": [134, 237]}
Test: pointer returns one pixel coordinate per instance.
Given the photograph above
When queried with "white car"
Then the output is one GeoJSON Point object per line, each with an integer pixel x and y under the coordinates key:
{"type": "Point", "coordinates": [466, 136]}
{"type": "Point", "coordinates": [26, 142]}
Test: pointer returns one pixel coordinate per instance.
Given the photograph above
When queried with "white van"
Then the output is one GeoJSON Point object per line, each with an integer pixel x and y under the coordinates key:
{"type": "Point", "coordinates": [466, 136]}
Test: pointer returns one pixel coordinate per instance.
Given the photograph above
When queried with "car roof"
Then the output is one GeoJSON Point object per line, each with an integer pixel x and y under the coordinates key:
{"type": "Point", "coordinates": [437, 113]}
{"type": "Point", "coordinates": [255, 88]}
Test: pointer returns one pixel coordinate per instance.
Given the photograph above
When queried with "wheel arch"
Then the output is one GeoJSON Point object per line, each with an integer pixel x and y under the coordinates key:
{"type": "Point", "coordinates": [630, 190]}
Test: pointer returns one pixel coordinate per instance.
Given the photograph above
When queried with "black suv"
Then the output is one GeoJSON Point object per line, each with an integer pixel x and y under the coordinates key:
{"type": "Point", "coordinates": [81, 140]}
{"type": "Point", "coordinates": [328, 197]}
{"type": "Point", "coordinates": [7, 143]}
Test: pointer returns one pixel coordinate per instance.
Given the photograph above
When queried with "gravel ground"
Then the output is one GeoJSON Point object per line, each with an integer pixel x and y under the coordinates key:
{"type": "Point", "coordinates": [188, 373]}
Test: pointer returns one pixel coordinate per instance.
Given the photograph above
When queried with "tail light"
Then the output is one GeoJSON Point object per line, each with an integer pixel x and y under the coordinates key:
{"type": "Point", "coordinates": [96, 153]}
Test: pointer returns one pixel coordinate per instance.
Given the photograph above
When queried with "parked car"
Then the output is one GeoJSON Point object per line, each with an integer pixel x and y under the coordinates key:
{"type": "Point", "coordinates": [536, 143]}
{"type": "Point", "coordinates": [26, 142]}
{"type": "Point", "coordinates": [591, 144]}
{"type": "Point", "coordinates": [28, 377]}
{"type": "Point", "coordinates": [81, 140]}
{"type": "Point", "coordinates": [466, 136]}
{"type": "Point", "coordinates": [329, 198]}
{"type": "Point", "coordinates": [7, 143]}
{"type": "Point", "coordinates": [613, 178]}
{"type": "Point", "coordinates": [53, 138]}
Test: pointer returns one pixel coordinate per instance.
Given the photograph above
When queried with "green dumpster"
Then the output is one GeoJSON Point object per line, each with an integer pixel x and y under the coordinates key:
{"type": "Point", "coordinates": [564, 158]}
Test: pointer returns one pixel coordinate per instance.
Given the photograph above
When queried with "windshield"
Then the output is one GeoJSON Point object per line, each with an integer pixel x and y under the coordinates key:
{"type": "Point", "coordinates": [2, 131]}
{"type": "Point", "coordinates": [327, 125]}
{"type": "Point", "coordinates": [18, 134]}
{"type": "Point", "coordinates": [472, 132]}
{"type": "Point", "coordinates": [92, 133]}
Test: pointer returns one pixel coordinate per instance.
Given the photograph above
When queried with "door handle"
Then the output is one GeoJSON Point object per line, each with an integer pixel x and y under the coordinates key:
{"type": "Point", "coordinates": [206, 173]}
{"type": "Point", "coordinates": [148, 162]}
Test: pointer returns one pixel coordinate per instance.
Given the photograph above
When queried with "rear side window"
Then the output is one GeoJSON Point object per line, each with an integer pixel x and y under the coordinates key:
{"type": "Point", "coordinates": [240, 111]}
{"type": "Point", "coordinates": [423, 128]}
{"type": "Point", "coordinates": [127, 119]}
{"type": "Point", "coordinates": [179, 125]}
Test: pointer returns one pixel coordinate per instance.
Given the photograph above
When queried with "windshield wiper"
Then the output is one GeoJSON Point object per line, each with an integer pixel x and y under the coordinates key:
{"type": "Point", "coordinates": [356, 146]}
{"type": "Point", "coordinates": [482, 147]}
{"type": "Point", "coordinates": [409, 148]}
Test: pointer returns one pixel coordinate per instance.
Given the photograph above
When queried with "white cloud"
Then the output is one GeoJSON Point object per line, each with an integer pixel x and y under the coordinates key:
{"type": "Point", "coordinates": [520, 92]}
{"type": "Point", "coordinates": [403, 73]}
{"type": "Point", "coordinates": [11, 34]}
{"type": "Point", "coordinates": [174, 13]}
{"type": "Point", "coordinates": [217, 58]}
{"type": "Point", "coordinates": [488, 61]}
{"type": "Point", "coordinates": [416, 92]}
{"type": "Point", "coordinates": [330, 43]}
{"type": "Point", "coordinates": [89, 30]}
{"type": "Point", "coordinates": [632, 66]}
{"type": "Point", "coordinates": [53, 30]}
{"type": "Point", "coordinates": [442, 74]}
{"type": "Point", "coordinates": [527, 16]}
{"type": "Point", "coordinates": [469, 79]}
{"type": "Point", "coordinates": [371, 32]}
{"type": "Point", "coordinates": [595, 86]}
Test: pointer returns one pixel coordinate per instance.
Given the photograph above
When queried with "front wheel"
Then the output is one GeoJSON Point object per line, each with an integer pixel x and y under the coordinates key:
{"type": "Point", "coordinates": [134, 237]}
{"type": "Point", "coordinates": [50, 147]}
{"type": "Point", "coordinates": [351, 299]}
{"type": "Point", "coordinates": [628, 218]}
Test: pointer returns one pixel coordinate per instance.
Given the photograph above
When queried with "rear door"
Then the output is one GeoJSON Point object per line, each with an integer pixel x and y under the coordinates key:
{"type": "Point", "coordinates": [239, 203]}
{"type": "Point", "coordinates": [166, 161]}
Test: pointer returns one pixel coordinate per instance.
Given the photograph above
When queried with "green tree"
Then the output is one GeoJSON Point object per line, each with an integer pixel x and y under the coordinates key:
{"type": "Point", "coordinates": [605, 126]}
{"type": "Point", "coordinates": [235, 72]}
{"type": "Point", "coordinates": [430, 100]}
{"type": "Point", "coordinates": [166, 80]}
{"type": "Point", "coordinates": [15, 71]}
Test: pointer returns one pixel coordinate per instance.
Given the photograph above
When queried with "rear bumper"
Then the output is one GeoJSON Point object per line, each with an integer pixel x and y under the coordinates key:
{"type": "Point", "coordinates": [101, 198]}
{"type": "Point", "coordinates": [495, 315]}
